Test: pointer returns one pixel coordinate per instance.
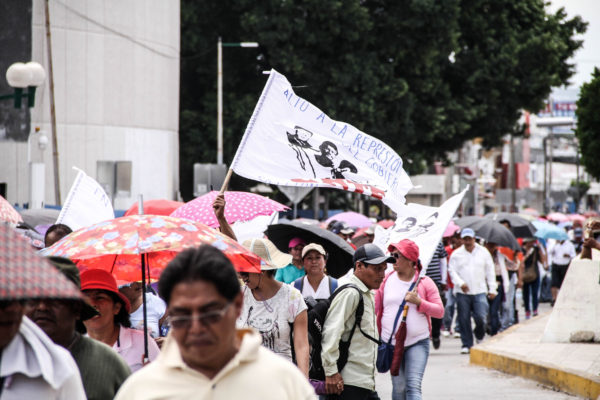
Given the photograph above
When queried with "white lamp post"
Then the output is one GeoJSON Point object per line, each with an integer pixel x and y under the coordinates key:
{"type": "Point", "coordinates": [220, 46]}
{"type": "Point", "coordinates": [21, 76]}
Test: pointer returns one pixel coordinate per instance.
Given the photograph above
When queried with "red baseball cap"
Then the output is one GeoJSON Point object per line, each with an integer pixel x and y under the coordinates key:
{"type": "Point", "coordinates": [99, 279]}
{"type": "Point", "coordinates": [407, 248]}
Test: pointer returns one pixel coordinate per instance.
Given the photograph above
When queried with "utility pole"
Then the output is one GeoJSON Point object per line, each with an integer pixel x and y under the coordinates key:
{"type": "Point", "coordinates": [52, 109]}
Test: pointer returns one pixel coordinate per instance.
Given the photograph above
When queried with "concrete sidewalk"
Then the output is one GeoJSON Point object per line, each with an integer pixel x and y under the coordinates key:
{"type": "Point", "coordinates": [570, 367]}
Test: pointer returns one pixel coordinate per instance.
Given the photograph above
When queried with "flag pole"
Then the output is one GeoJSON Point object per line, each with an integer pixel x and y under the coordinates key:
{"type": "Point", "coordinates": [226, 181]}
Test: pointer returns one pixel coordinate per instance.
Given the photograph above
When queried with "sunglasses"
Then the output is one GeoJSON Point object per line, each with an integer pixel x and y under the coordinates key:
{"type": "Point", "coordinates": [395, 255]}
{"type": "Point", "coordinates": [206, 319]}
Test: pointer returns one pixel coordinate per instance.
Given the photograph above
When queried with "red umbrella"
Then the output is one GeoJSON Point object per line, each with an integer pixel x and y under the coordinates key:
{"type": "Point", "coordinates": [241, 206]}
{"type": "Point", "coordinates": [8, 213]}
{"type": "Point", "coordinates": [117, 245]}
{"type": "Point", "coordinates": [400, 338]}
{"type": "Point", "coordinates": [26, 275]}
{"type": "Point", "coordinates": [155, 207]}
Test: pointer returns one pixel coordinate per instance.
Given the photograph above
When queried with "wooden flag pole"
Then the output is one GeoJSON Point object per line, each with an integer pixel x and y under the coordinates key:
{"type": "Point", "coordinates": [226, 181]}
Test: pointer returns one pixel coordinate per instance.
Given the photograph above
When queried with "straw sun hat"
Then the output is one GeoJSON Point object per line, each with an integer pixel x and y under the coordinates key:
{"type": "Point", "coordinates": [265, 249]}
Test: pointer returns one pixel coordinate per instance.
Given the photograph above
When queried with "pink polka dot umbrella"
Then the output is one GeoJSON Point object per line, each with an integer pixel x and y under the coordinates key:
{"type": "Point", "coordinates": [240, 206]}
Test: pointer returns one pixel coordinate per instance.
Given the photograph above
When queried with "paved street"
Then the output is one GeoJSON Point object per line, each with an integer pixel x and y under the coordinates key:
{"type": "Point", "coordinates": [449, 376]}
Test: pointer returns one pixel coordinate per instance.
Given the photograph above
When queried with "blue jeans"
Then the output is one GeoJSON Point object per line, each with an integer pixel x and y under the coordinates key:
{"type": "Point", "coordinates": [407, 385]}
{"type": "Point", "coordinates": [532, 289]}
{"type": "Point", "coordinates": [495, 306]}
{"type": "Point", "coordinates": [449, 310]}
{"type": "Point", "coordinates": [477, 305]}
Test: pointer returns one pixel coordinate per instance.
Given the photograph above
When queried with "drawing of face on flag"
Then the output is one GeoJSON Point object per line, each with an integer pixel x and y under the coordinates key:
{"type": "Point", "coordinates": [326, 155]}
{"type": "Point", "coordinates": [289, 141]}
{"type": "Point", "coordinates": [422, 224]}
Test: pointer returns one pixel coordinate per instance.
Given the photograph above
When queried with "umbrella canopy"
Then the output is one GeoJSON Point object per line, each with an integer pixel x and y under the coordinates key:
{"type": "Point", "coordinates": [546, 230]}
{"type": "Point", "coordinates": [557, 217]}
{"type": "Point", "coordinates": [531, 211]}
{"type": "Point", "coordinates": [8, 213]}
{"type": "Point", "coordinates": [351, 218]}
{"type": "Point", "coordinates": [339, 252]}
{"type": "Point", "coordinates": [519, 226]}
{"type": "Point", "coordinates": [386, 223]}
{"type": "Point", "coordinates": [117, 245]}
{"type": "Point", "coordinates": [489, 230]}
{"type": "Point", "coordinates": [40, 216]}
{"type": "Point", "coordinates": [591, 213]}
{"type": "Point", "coordinates": [576, 218]}
{"type": "Point", "coordinates": [451, 229]}
{"type": "Point", "coordinates": [26, 275]}
{"type": "Point", "coordinates": [155, 207]}
{"type": "Point", "coordinates": [241, 206]}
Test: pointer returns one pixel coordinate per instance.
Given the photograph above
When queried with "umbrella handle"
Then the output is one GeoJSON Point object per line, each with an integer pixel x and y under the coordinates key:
{"type": "Point", "coordinates": [226, 181]}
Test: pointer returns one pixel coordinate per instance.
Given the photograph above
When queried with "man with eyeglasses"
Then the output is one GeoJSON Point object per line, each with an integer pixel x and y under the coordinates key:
{"type": "Point", "coordinates": [204, 355]}
{"type": "Point", "coordinates": [356, 380]}
{"type": "Point", "coordinates": [102, 370]}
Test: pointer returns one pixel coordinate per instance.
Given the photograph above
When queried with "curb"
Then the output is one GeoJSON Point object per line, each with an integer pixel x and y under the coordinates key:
{"type": "Point", "coordinates": [571, 382]}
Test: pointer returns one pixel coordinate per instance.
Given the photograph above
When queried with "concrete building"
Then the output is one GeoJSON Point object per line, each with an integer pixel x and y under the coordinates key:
{"type": "Point", "coordinates": [116, 79]}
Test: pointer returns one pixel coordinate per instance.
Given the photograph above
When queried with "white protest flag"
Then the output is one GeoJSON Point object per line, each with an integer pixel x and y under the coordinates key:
{"type": "Point", "coordinates": [289, 141]}
{"type": "Point", "coordinates": [87, 203]}
{"type": "Point", "coordinates": [422, 224]}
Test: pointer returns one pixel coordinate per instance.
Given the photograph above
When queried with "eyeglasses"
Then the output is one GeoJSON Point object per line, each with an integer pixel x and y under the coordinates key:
{"type": "Point", "coordinates": [206, 318]}
{"type": "Point", "coordinates": [395, 255]}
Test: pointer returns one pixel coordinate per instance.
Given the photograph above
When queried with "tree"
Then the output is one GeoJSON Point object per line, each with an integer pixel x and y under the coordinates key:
{"type": "Point", "coordinates": [422, 75]}
{"type": "Point", "coordinates": [588, 124]}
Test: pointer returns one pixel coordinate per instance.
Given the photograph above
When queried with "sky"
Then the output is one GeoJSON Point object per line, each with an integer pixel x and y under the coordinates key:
{"type": "Point", "coordinates": [589, 55]}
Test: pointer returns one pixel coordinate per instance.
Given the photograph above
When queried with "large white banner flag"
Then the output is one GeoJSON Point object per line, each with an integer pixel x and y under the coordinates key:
{"type": "Point", "coordinates": [87, 203]}
{"type": "Point", "coordinates": [422, 224]}
{"type": "Point", "coordinates": [289, 141]}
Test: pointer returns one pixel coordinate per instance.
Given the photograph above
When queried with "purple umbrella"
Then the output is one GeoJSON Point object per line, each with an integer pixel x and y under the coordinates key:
{"type": "Point", "coordinates": [351, 218]}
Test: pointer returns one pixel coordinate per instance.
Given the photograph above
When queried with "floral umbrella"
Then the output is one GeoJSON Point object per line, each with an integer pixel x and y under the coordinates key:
{"type": "Point", "coordinates": [117, 245]}
{"type": "Point", "coordinates": [8, 213]}
{"type": "Point", "coordinates": [241, 206]}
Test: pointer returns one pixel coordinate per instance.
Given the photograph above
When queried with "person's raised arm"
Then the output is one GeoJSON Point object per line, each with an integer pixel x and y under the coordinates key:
{"type": "Point", "coordinates": [219, 207]}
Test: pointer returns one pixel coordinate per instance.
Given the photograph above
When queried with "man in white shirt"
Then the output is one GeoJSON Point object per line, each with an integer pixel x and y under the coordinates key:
{"type": "Point", "coordinates": [562, 253]}
{"type": "Point", "coordinates": [204, 356]}
{"type": "Point", "coordinates": [472, 271]}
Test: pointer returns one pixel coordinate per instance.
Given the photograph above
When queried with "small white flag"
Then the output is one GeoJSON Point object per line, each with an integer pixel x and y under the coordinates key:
{"type": "Point", "coordinates": [87, 203]}
{"type": "Point", "coordinates": [421, 224]}
{"type": "Point", "coordinates": [289, 141]}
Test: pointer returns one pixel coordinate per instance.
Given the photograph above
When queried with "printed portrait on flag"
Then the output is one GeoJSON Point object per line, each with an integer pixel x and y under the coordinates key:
{"type": "Point", "coordinates": [289, 141]}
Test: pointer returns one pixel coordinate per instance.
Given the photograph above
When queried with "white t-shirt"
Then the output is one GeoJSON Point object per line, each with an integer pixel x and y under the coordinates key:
{"type": "Point", "coordinates": [272, 318]}
{"type": "Point", "coordinates": [322, 291]}
{"type": "Point", "coordinates": [560, 249]}
{"type": "Point", "coordinates": [417, 324]}
{"type": "Point", "coordinates": [155, 309]}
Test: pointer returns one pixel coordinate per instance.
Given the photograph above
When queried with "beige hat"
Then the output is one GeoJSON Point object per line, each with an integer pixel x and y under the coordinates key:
{"type": "Point", "coordinates": [265, 249]}
{"type": "Point", "coordinates": [315, 247]}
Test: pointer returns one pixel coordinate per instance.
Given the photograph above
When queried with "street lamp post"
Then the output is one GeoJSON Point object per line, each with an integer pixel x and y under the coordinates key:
{"type": "Point", "coordinates": [24, 76]}
{"type": "Point", "coordinates": [220, 46]}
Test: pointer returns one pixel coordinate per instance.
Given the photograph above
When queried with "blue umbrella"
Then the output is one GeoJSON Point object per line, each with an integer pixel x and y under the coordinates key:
{"type": "Point", "coordinates": [546, 230]}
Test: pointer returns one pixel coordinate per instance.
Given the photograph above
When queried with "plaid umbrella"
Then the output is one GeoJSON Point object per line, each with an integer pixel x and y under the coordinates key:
{"type": "Point", "coordinates": [26, 275]}
{"type": "Point", "coordinates": [8, 213]}
{"type": "Point", "coordinates": [241, 206]}
{"type": "Point", "coordinates": [117, 245]}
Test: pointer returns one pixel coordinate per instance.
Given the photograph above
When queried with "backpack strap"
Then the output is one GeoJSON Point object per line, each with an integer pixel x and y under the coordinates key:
{"type": "Point", "coordinates": [299, 283]}
{"type": "Point", "coordinates": [333, 284]}
{"type": "Point", "coordinates": [359, 312]}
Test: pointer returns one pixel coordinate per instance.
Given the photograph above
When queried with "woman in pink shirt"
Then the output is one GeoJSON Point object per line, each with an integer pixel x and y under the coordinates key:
{"type": "Point", "coordinates": [423, 303]}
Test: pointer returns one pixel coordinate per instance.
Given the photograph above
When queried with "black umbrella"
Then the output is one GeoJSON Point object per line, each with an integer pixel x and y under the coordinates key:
{"type": "Point", "coordinates": [519, 226]}
{"type": "Point", "coordinates": [339, 252]}
{"type": "Point", "coordinates": [489, 230]}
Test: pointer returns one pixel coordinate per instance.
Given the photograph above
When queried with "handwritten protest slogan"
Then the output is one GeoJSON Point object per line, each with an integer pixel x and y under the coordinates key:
{"type": "Point", "coordinates": [422, 224]}
{"type": "Point", "coordinates": [289, 141]}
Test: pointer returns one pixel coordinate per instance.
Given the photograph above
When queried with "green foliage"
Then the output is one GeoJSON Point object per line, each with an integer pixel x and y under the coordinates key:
{"type": "Point", "coordinates": [422, 75]}
{"type": "Point", "coordinates": [588, 125]}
